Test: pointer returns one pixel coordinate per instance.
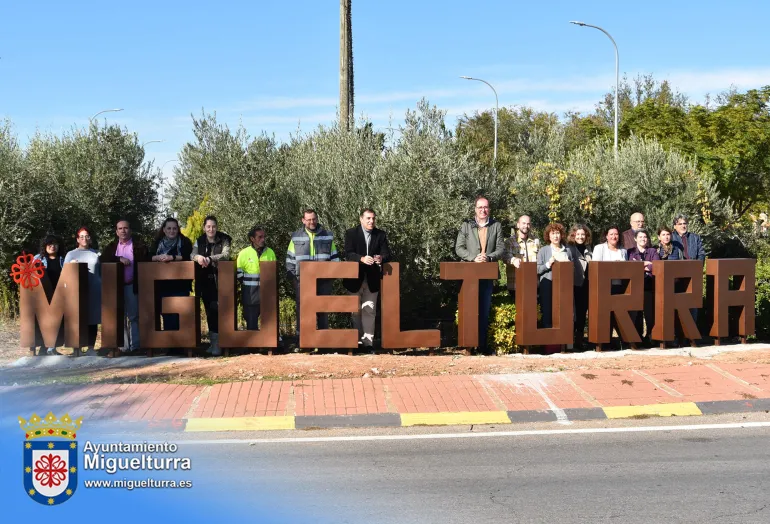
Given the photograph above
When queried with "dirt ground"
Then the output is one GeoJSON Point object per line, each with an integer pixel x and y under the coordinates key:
{"type": "Point", "coordinates": [331, 365]}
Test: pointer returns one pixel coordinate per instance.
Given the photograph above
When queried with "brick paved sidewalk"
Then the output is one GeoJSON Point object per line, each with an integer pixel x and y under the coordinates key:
{"type": "Point", "coordinates": [680, 390]}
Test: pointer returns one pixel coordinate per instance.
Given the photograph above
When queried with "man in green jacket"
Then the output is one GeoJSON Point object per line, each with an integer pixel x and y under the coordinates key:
{"type": "Point", "coordinates": [248, 274]}
{"type": "Point", "coordinates": [311, 242]}
{"type": "Point", "coordinates": [481, 240]}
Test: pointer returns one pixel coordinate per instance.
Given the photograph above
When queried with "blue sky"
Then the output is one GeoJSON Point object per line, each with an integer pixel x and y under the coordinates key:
{"type": "Point", "coordinates": [274, 65]}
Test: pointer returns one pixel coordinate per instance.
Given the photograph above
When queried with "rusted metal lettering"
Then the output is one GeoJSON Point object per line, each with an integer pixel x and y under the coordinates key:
{"type": "Point", "coordinates": [468, 302]}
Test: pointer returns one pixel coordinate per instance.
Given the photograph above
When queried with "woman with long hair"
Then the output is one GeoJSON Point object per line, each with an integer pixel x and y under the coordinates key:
{"type": "Point", "coordinates": [553, 251]}
{"type": "Point", "coordinates": [211, 247]}
{"type": "Point", "coordinates": [579, 244]}
{"type": "Point", "coordinates": [50, 256]}
{"type": "Point", "coordinates": [170, 245]}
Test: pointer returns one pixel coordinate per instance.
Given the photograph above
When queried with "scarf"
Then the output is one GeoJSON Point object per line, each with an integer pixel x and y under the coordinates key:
{"type": "Point", "coordinates": [665, 250]}
{"type": "Point", "coordinates": [166, 245]}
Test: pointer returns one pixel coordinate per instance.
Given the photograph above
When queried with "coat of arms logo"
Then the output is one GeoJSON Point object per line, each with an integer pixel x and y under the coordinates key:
{"type": "Point", "coordinates": [50, 458]}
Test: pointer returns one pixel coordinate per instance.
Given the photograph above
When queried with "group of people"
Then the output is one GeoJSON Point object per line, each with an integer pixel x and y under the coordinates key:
{"type": "Point", "coordinates": [365, 244]}
{"type": "Point", "coordinates": [481, 240]}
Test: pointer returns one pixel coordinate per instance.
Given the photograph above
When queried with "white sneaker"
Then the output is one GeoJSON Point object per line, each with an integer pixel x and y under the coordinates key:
{"type": "Point", "coordinates": [52, 351]}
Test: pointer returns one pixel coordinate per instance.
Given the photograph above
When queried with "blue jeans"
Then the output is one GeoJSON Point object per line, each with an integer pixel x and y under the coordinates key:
{"type": "Point", "coordinates": [485, 307]}
{"type": "Point", "coordinates": [131, 306]}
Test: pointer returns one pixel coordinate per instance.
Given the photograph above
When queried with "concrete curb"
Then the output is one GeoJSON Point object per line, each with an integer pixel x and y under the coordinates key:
{"type": "Point", "coordinates": [379, 420]}
{"type": "Point", "coordinates": [391, 420]}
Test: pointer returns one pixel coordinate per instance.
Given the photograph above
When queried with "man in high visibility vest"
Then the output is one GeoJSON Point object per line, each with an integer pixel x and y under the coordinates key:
{"type": "Point", "coordinates": [248, 274]}
{"type": "Point", "coordinates": [310, 242]}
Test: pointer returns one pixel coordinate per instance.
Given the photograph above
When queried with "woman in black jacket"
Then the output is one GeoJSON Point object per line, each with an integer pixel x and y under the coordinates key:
{"type": "Point", "coordinates": [171, 245]}
{"type": "Point", "coordinates": [579, 243]}
{"type": "Point", "coordinates": [53, 261]}
{"type": "Point", "coordinates": [211, 247]}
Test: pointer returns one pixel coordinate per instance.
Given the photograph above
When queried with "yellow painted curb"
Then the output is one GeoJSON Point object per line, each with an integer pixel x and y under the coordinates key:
{"type": "Point", "coordinates": [239, 424]}
{"type": "Point", "coordinates": [447, 419]}
{"type": "Point", "coordinates": [678, 409]}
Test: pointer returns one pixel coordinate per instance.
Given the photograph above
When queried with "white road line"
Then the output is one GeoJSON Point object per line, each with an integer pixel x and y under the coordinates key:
{"type": "Point", "coordinates": [732, 377]}
{"type": "Point", "coordinates": [561, 415]}
{"type": "Point", "coordinates": [537, 382]}
{"type": "Point", "coordinates": [526, 433]}
{"type": "Point", "coordinates": [202, 396]}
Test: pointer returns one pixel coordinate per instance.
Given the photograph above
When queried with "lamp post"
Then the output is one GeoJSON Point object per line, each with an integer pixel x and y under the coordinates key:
{"type": "Point", "coordinates": [104, 111]}
{"type": "Point", "coordinates": [152, 142]}
{"type": "Point", "coordinates": [617, 76]}
{"type": "Point", "coordinates": [497, 109]}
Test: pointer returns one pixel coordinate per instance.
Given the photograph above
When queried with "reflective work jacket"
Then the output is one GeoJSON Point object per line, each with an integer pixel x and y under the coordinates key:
{"type": "Point", "coordinates": [306, 245]}
{"type": "Point", "coordinates": [248, 272]}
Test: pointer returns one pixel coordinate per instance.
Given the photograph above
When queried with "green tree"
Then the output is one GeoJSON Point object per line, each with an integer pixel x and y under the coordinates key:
{"type": "Point", "coordinates": [58, 183]}
{"type": "Point", "coordinates": [590, 186]}
{"type": "Point", "coordinates": [517, 130]}
{"type": "Point", "coordinates": [421, 187]}
{"type": "Point", "coordinates": [732, 142]}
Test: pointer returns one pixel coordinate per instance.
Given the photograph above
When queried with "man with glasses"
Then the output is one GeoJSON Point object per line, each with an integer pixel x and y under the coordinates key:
{"type": "Point", "coordinates": [628, 240]}
{"type": "Point", "coordinates": [690, 243]}
{"type": "Point", "coordinates": [481, 240]}
{"type": "Point", "coordinates": [691, 247]}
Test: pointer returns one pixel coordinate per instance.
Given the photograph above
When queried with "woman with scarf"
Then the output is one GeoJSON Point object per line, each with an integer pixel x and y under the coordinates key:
{"type": "Point", "coordinates": [171, 246]}
{"type": "Point", "coordinates": [643, 252]}
{"type": "Point", "coordinates": [667, 250]}
{"type": "Point", "coordinates": [84, 254]}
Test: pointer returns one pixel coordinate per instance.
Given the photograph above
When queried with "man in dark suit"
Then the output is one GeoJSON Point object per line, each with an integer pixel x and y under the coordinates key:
{"type": "Point", "coordinates": [368, 246]}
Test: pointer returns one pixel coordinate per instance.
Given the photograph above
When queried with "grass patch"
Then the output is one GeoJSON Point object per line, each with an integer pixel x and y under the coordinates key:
{"type": "Point", "coordinates": [195, 381]}
{"type": "Point", "coordinates": [71, 379]}
{"type": "Point", "coordinates": [209, 381]}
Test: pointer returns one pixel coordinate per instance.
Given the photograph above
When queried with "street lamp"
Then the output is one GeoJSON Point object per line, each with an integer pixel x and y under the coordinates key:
{"type": "Point", "coordinates": [497, 109]}
{"type": "Point", "coordinates": [104, 111]}
{"type": "Point", "coordinates": [152, 142]}
{"type": "Point", "coordinates": [583, 24]}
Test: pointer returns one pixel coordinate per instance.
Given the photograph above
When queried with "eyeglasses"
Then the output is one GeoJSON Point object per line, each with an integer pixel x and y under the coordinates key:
{"type": "Point", "coordinates": [84, 237]}
{"type": "Point", "coordinates": [681, 223]}
{"type": "Point", "coordinates": [482, 207]}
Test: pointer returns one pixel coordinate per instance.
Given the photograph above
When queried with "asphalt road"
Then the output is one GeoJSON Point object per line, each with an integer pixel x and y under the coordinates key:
{"type": "Point", "coordinates": [691, 476]}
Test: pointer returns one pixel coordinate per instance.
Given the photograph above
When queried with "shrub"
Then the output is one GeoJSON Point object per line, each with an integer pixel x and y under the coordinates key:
{"type": "Point", "coordinates": [501, 334]}
{"type": "Point", "coordinates": [763, 300]}
{"type": "Point", "coordinates": [287, 317]}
